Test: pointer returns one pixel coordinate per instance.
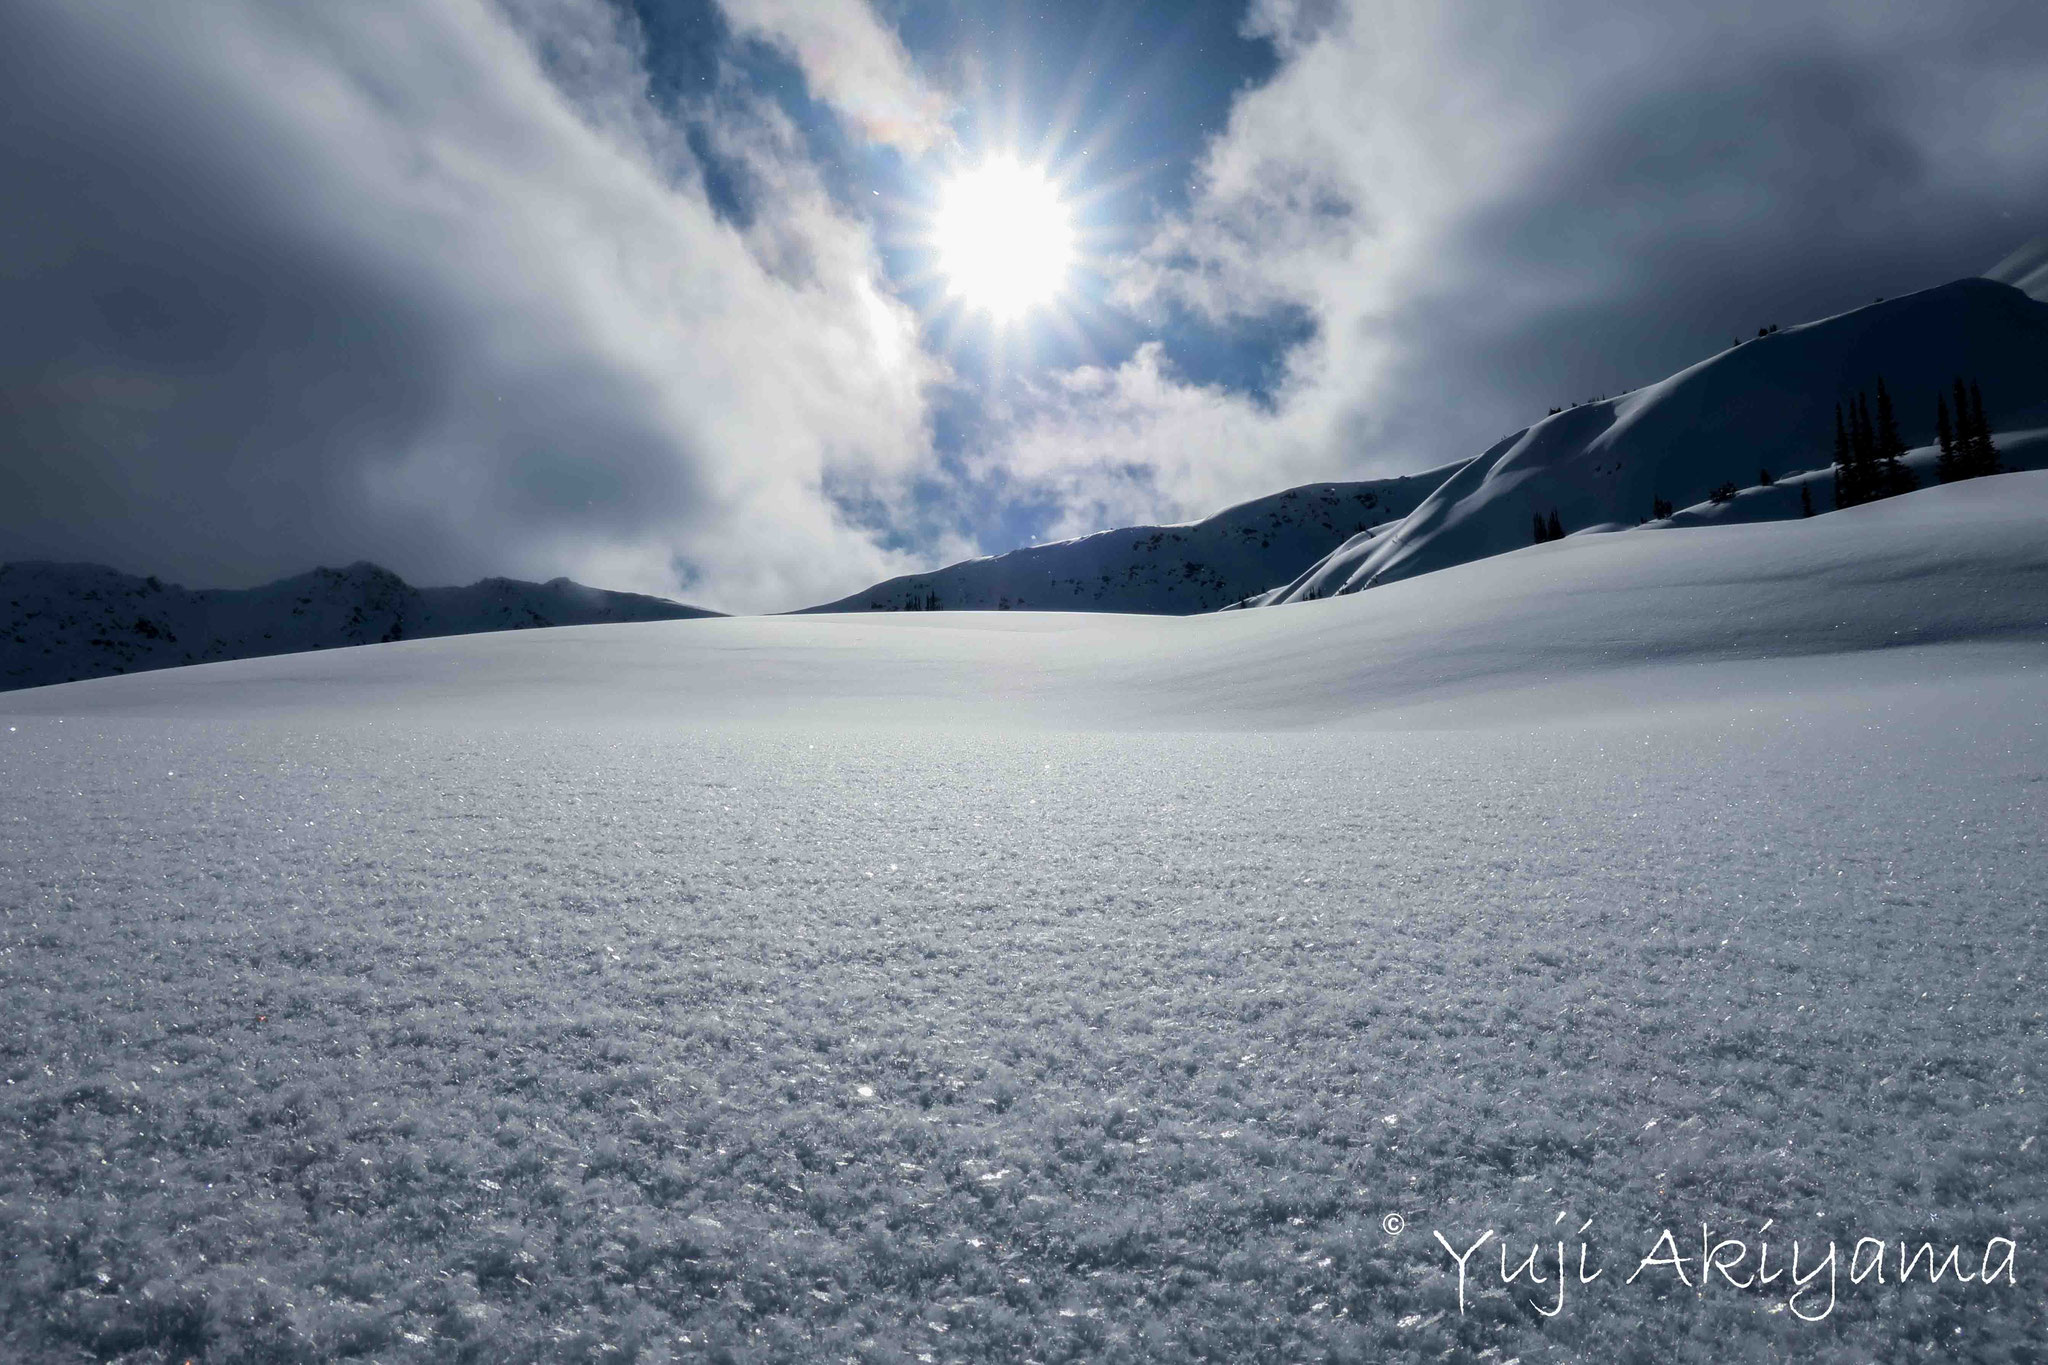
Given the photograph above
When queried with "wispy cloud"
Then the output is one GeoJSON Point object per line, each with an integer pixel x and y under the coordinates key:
{"type": "Point", "coordinates": [853, 62]}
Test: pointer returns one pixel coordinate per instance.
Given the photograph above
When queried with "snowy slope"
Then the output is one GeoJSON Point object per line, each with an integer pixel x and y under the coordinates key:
{"type": "Point", "coordinates": [1960, 563]}
{"type": "Point", "coordinates": [1767, 404]}
{"type": "Point", "coordinates": [2018, 451]}
{"type": "Point", "coordinates": [60, 622]}
{"type": "Point", "coordinates": [1019, 986]}
{"type": "Point", "coordinates": [1163, 570]}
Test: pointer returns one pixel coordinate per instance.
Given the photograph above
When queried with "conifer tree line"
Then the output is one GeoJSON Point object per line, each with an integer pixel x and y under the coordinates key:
{"type": "Point", "coordinates": [1542, 529]}
{"type": "Point", "coordinates": [1869, 449]}
{"type": "Point", "coordinates": [1964, 440]}
{"type": "Point", "coordinates": [1868, 452]}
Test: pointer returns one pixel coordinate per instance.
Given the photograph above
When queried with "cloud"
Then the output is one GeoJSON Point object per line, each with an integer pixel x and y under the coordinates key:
{"type": "Point", "coordinates": [1135, 443]}
{"type": "Point", "coordinates": [437, 283]}
{"type": "Point", "coordinates": [429, 282]}
{"type": "Point", "coordinates": [1487, 213]}
{"type": "Point", "coordinates": [854, 63]}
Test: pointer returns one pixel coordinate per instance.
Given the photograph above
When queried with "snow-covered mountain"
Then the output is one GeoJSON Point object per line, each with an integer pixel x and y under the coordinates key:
{"type": "Point", "coordinates": [1761, 410]}
{"type": "Point", "coordinates": [60, 622]}
{"type": "Point", "coordinates": [1162, 570]}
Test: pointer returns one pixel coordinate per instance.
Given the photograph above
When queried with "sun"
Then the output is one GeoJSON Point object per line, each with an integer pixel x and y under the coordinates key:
{"type": "Point", "coordinates": [1004, 239]}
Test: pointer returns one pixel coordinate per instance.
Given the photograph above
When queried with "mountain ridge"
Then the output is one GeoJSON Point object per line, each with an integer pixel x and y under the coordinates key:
{"type": "Point", "coordinates": [1171, 570]}
{"type": "Point", "coordinates": [62, 622]}
{"type": "Point", "coordinates": [1744, 418]}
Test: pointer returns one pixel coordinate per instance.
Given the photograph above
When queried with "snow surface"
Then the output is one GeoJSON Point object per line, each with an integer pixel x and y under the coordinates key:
{"type": "Point", "coordinates": [1766, 404]}
{"type": "Point", "coordinates": [1166, 570]}
{"type": "Point", "coordinates": [60, 622]}
{"type": "Point", "coordinates": [1032, 987]}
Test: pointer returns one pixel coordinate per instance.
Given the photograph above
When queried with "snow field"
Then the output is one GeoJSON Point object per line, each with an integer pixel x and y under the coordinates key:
{"type": "Point", "coordinates": [1022, 987]}
{"type": "Point", "coordinates": [802, 1045]}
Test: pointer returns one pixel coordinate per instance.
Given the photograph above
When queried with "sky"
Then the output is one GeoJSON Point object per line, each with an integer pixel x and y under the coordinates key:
{"type": "Point", "coordinates": [654, 294]}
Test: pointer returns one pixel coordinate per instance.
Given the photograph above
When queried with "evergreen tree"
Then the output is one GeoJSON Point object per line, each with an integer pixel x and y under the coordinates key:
{"type": "Point", "coordinates": [1848, 490]}
{"type": "Point", "coordinates": [1946, 465]}
{"type": "Point", "coordinates": [1805, 500]}
{"type": "Point", "coordinates": [1536, 536]}
{"type": "Point", "coordinates": [1888, 449]}
{"type": "Point", "coordinates": [1889, 445]}
{"type": "Point", "coordinates": [1556, 528]}
{"type": "Point", "coordinates": [1984, 456]}
{"type": "Point", "coordinates": [1965, 433]}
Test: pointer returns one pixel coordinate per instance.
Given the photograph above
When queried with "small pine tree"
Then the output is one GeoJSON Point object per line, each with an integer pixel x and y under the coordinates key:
{"type": "Point", "coordinates": [1805, 501]}
{"type": "Point", "coordinates": [1888, 450]}
{"type": "Point", "coordinates": [1847, 486]}
{"type": "Point", "coordinates": [1984, 455]}
{"type": "Point", "coordinates": [1947, 466]}
{"type": "Point", "coordinates": [1763, 477]}
{"type": "Point", "coordinates": [1536, 536]}
{"type": "Point", "coordinates": [1660, 508]}
{"type": "Point", "coordinates": [1555, 529]}
{"type": "Point", "coordinates": [1886, 443]}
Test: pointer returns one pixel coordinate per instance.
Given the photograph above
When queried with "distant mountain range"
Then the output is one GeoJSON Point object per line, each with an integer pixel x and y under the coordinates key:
{"type": "Point", "coordinates": [1162, 570]}
{"type": "Point", "coordinates": [62, 622]}
{"type": "Point", "coordinates": [1745, 435]}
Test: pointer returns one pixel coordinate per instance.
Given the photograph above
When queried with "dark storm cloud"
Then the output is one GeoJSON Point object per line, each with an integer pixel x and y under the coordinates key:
{"type": "Point", "coordinates": [1753, 188]}
{"type": "Point", "coordinates": [288, 285]}
{"type": "Point", "coordinates": [1490, 212]}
